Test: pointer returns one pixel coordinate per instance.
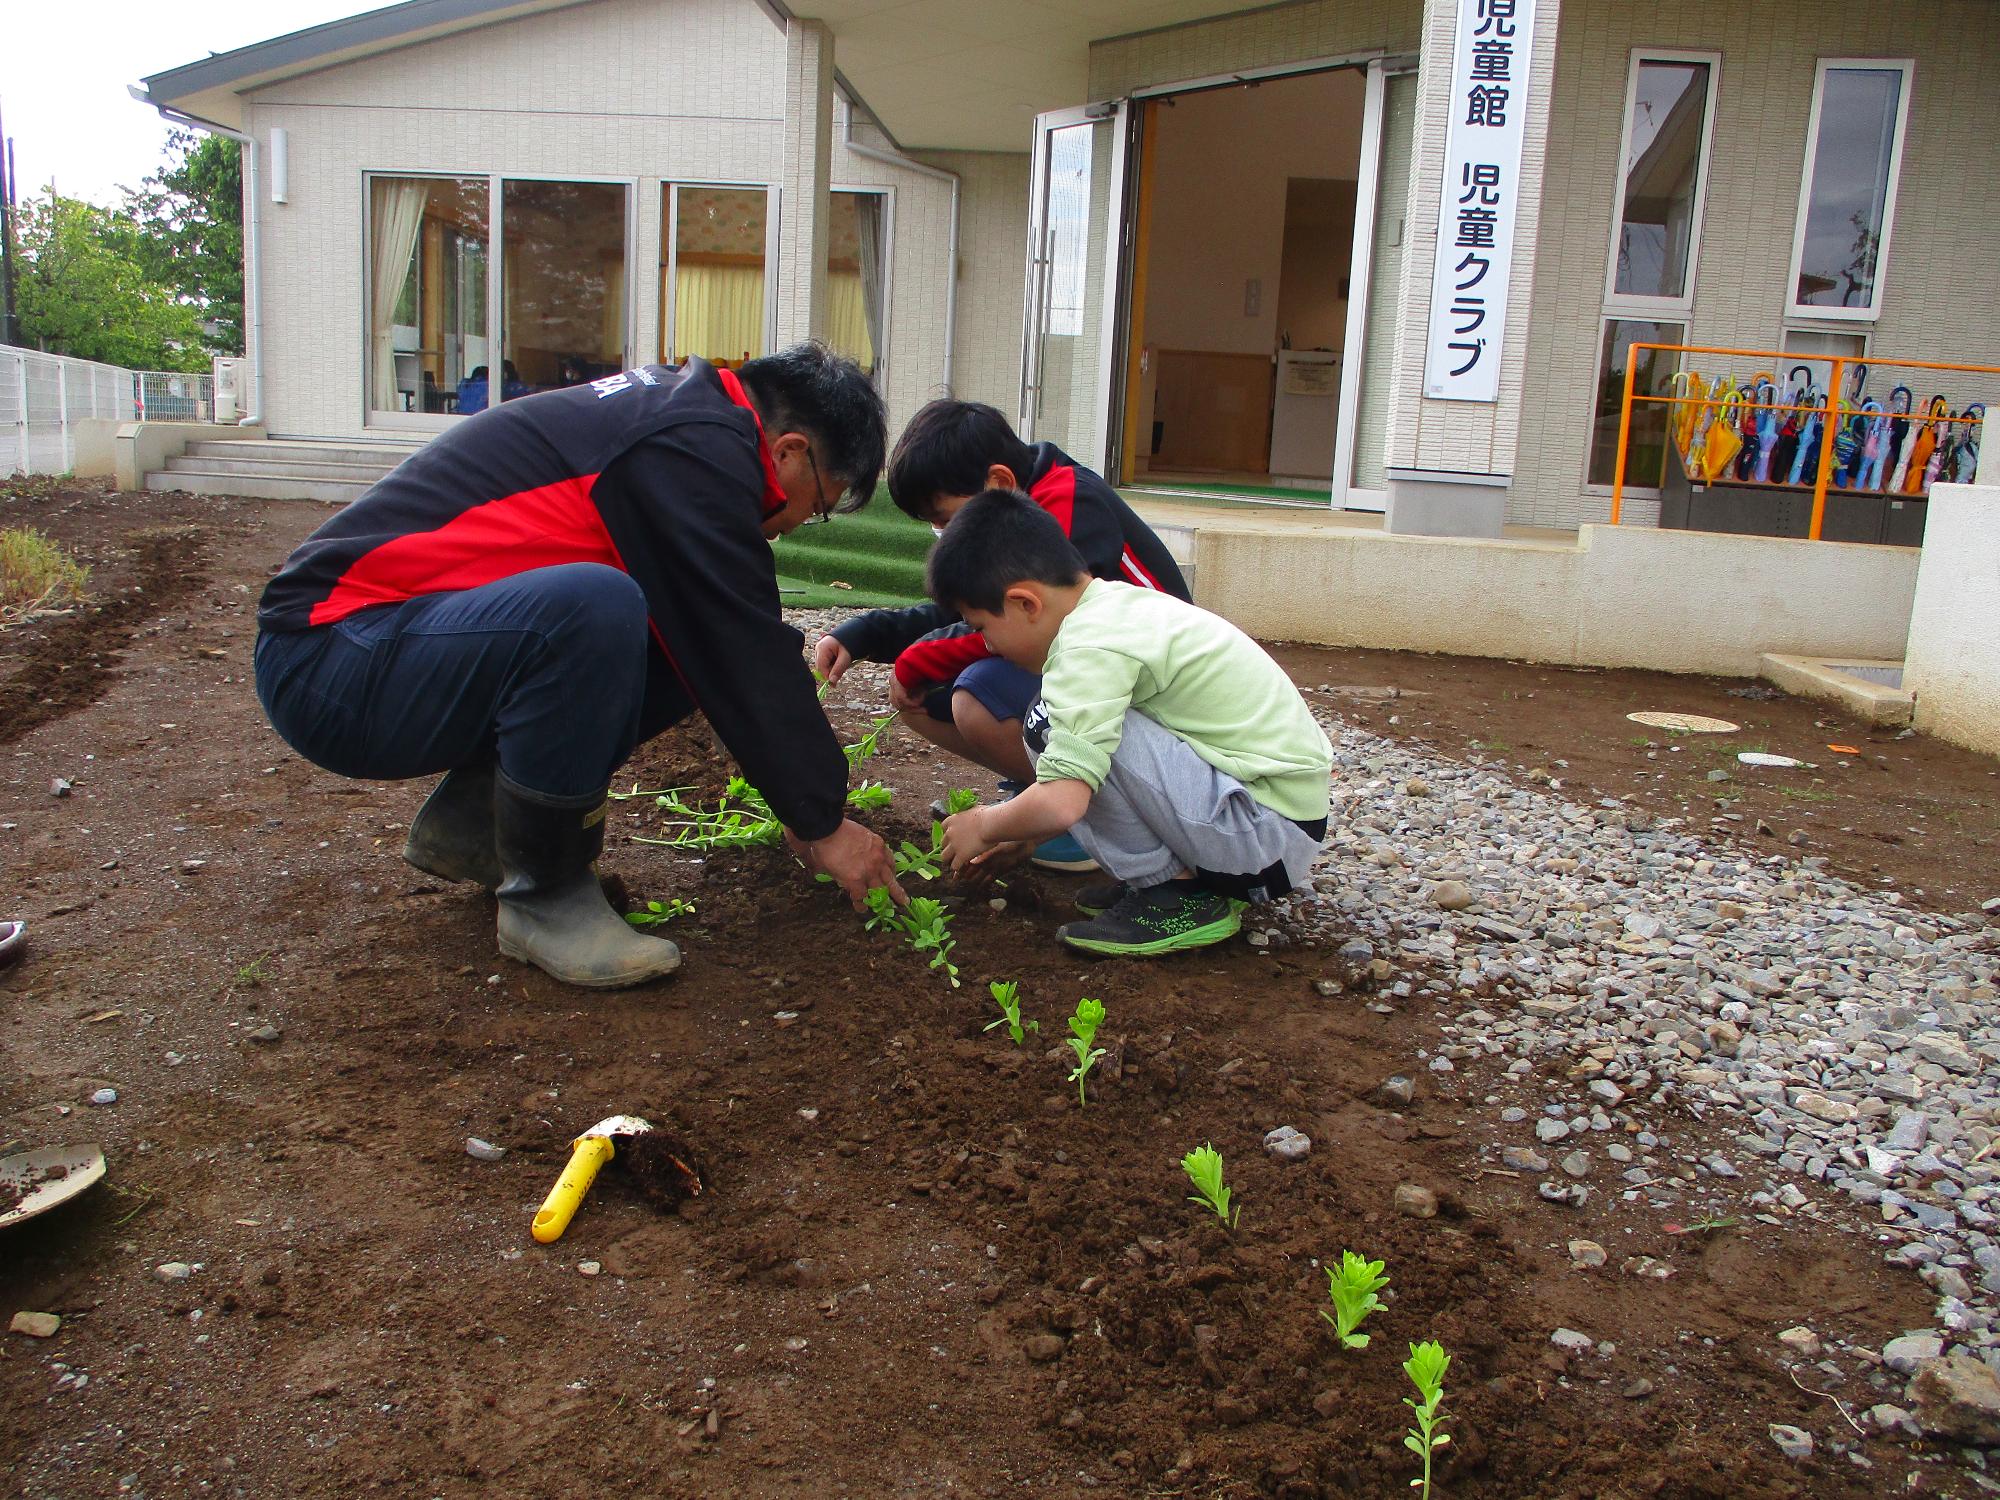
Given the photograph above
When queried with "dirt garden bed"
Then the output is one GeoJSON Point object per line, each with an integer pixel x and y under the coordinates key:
{"type": "Point", "coordinates": [921, 1267]}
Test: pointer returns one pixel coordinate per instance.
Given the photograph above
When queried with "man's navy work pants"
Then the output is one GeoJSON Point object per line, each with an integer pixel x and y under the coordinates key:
{"type": "Point", "coordinates": [552, 669]}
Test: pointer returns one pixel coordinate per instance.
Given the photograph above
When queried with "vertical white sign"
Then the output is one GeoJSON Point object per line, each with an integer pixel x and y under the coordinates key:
{"type": "Point", "coordinates": [1482, 178]}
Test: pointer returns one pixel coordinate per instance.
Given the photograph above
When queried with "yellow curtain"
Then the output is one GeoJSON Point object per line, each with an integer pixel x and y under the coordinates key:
{"type": "Point", "coordinates": [847, 317]}
{"type": "Point", "coordinates": [718, 310]}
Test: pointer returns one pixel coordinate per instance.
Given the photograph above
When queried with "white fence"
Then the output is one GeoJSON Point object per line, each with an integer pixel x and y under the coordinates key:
{"type": "Point", "coordinates": [41, 395]}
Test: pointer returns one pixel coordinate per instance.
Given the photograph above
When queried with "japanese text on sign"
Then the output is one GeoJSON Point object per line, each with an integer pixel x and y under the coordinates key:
{"type": "Point", "coordinates": [1482, 173]}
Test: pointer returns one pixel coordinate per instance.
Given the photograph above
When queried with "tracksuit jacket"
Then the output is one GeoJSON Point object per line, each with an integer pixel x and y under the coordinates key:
{"type": "Point", "coordinates": [930, 644]}
{"type": "Point", "coordinates": [661, 472]}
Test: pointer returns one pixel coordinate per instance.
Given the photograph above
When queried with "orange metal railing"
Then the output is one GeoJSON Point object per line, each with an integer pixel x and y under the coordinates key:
{"type": "Point", "coordinates": [1832, 412]}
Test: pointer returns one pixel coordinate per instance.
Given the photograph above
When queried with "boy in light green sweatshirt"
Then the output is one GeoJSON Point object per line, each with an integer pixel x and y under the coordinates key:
{"type": "Point", "coordinates": [1174, 749]}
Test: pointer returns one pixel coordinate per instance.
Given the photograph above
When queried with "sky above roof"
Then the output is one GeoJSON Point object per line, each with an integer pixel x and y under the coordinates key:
{"type": "Point", "coordinates": [65, 66]}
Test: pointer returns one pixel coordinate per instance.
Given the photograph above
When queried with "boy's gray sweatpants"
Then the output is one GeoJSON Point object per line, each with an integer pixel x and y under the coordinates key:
{"type": "Point", "coordinates": [1163, 809]}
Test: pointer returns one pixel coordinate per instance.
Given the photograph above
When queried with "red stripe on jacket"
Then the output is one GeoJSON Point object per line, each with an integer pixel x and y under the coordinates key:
{"type": "Point", "coordinates": [538, 528]}
{"type": "Point", "coordinates": [941, 660]}
{"type": "Point", "coordinates": [544, 527]}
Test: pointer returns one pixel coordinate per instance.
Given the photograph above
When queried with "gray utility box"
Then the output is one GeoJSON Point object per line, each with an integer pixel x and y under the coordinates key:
{"type": "Point", "coordinates": [1688, 504]}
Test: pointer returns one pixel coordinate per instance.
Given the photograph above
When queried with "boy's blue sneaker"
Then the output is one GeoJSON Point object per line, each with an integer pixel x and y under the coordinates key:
{"type": "Point", "coordinates": [1065, 854]}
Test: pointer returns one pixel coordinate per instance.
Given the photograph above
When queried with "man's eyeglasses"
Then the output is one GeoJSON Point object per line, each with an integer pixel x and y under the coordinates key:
{"type": "Point", "coordinates": [823, 509]}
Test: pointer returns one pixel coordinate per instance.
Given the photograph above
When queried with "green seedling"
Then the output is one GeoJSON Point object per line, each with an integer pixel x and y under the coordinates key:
{"type": "Point", "coordinates": [1083, 1031]}
{"type": "Point", "coordinates": [1008, 997]}
{"type": "Point", "coordinates": [253, 975]}
{"type": "Point", "coordinates": [1426, 1367]}
{"type": "Point", "coordinates": [928, 864]}
{"type": "Point", "coordinates": [929, 927]}
{"type": "Point", "coordinates": [654, 913]}
{"type": "Point", "coordinates": [869, 796]}
{"type": "Point", "coordinates": [1353, 1288]}
{"type": "Point", "coordinates": [882, 913]}
{"type": "Point", "coordinates": [869, 743]}
{"type": "Point", "coordinates": [1203, 1166]}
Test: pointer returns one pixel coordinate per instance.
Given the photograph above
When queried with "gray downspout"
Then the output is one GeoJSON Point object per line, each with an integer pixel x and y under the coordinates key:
{"type": "Point", "coordinates": [897, 159]}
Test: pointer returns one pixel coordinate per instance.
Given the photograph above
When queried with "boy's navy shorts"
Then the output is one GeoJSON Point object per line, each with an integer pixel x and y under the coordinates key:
{"type": "Point", "coordinates": [1003, 690]}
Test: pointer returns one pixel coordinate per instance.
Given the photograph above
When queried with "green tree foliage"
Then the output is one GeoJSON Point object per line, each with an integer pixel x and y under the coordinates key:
{"type": "Point", "coordinates": [84, 290]}
{"type": "Point", "coordinates": [189, 216]}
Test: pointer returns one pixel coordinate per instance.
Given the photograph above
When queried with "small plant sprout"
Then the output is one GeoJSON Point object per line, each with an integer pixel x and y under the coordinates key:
{"type": "Point", "coordinates": [1425, 1367]}
{"type": "Point", "coordinates": [656, 913]}
{"type": "Point", "coordinates": [1353, 1288]}
{"type": "Point", "coordinates": [929, 927]}
{"type": "Point", "coordinates": [1008, 997]}
{"type": "Point", "coordinates": [1083, 1031]}
{"type": "Point", "coordinates": [1203, 1166]}
{"type": "Point", "coordinates": [928, 864]}
{"type": "Point", "coordinates": [882, 913]}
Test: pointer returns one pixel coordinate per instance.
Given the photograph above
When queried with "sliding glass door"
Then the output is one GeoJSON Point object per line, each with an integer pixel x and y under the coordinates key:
{"type": "Point", "coordinates": [449, 258]}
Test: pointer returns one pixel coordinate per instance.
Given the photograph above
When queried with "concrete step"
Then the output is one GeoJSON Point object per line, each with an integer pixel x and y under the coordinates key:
{"type": "Point", "coordinates": [383, 455]}
{"type": "Point", "coordinates": [276, 468]}
{"type": "Point", "coordinates": [257, 486]}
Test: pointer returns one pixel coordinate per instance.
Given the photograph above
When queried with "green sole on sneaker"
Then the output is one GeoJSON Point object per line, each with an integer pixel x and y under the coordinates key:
{"type": "Point", "coordinates": [1221, 929]}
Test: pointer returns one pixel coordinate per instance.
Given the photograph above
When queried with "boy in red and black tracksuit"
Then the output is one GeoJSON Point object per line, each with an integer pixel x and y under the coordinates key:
{"type": "Point", "coordinates": [549, 584]}
{"type": "Point", "coordinates": [951, 689]}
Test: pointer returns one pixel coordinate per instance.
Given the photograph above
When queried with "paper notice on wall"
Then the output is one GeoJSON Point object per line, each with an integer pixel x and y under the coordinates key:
{"type": "Point", "coordinates": [1303, 378]}
{"type": "Point", "coordinates": [1481, 191]}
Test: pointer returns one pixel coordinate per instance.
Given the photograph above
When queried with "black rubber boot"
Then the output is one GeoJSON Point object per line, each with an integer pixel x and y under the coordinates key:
{"type": "Point", "coordinates": [451, 836]}
{"type": "Point", "coordinates": [552, 911]}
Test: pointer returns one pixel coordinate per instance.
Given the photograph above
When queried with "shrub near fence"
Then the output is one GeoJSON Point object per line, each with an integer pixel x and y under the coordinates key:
{"type": "Point", "coordinates": [42, 396]}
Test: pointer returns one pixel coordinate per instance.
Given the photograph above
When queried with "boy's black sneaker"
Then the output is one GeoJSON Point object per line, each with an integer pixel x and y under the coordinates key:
{"type": "Point", "coordinates": [1150, 920]}
{"type": "Point", "coordinates": [1095, 900]}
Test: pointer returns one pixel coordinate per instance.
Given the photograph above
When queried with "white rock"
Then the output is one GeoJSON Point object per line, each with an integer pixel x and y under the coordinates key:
{"type": "Point", "coordinates": [1571, 1342]}
{"type": "Point", "coordinates": [1793, 1442]}
{"type": "Point", "coordinates": [1904, 1354]}
{"type": "Point", "coordinates": [1801, 1341]}
{"type": "Point", "coordinates": [174, 1270]}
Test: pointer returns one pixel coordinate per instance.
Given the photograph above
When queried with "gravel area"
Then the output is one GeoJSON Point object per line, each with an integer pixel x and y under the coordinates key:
{"type": "Point", "coordinates": [1836, 1036]}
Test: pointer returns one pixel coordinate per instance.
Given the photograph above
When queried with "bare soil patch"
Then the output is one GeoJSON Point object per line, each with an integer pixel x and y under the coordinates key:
{"type": "Point", "coordinates": [919, 1266]}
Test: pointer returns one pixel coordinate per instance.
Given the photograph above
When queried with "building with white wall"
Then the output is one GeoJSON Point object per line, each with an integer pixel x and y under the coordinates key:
{"type": "Point", "coordinates": [583, 183]}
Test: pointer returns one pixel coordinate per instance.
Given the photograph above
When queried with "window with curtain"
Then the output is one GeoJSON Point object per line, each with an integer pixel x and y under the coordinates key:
{"type": "Point", "coordinates": [856, 291]}
{"type": "Point", "coordinates": [426, 293]}
{"type": "Point", "coordinates": [714, 291]}
{"type": "Point", "coordinates": [1855, 147]}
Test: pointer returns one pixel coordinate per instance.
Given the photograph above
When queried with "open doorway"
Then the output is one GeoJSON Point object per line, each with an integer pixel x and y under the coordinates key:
{"type": "Point", "coordinates": [1242, 269]}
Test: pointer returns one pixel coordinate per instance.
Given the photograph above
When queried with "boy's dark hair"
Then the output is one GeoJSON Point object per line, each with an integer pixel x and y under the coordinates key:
{"type": "Point", "coordinates": [808, 388]}
{"type": "Point", "coordinates": [947, 449]}
{"type": "Point", "coordinates": [998, 539]}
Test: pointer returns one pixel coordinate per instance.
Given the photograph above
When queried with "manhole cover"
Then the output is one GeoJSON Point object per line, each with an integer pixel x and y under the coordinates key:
{"type": "Point", "coordinates": [1688, 723]}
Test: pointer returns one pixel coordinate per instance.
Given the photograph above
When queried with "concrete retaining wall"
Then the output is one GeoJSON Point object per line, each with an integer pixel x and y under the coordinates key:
{"type": "Point", "coordinates": [1676, 601]}
{"type": "Point", "coordinates": [1952, 663]}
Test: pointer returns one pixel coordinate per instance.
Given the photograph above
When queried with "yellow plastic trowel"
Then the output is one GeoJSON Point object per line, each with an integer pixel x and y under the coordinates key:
{"type": "Point", "coordinates": [664, 1170]}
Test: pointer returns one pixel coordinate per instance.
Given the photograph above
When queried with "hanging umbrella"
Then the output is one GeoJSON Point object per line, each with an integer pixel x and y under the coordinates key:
{"type": "Point", "coordinates": [1687, 415]}
{"type": "Point", "coordinates": [1725, 438]}
{"type": "Point", "coordinates": [1770, 427]}
{"type": "Point", "coordinates": [1923, 447]}
{"type": "Point", "coordinates": [1899, 435]}
{"type": "Point", "coordinates": [1874, 446]}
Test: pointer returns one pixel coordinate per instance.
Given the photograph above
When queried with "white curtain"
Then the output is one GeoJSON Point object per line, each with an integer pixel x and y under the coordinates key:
{"type": "Point", "coordinates": [398, 213]}
{"type": "Point", "coordinates": [868, 226]}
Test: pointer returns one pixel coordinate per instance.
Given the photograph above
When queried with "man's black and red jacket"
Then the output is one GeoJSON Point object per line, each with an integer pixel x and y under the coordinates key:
{"type": "Point", "coordinates": [661, 472]}
{"type": "Point", "coordinates": [929, 644]}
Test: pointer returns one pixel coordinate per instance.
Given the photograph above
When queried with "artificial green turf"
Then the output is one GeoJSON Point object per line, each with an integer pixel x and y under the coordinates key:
{"type": "Point", "coordinates": [1196, 492]}
{"type": "Point", "coordinates": [878, 550]}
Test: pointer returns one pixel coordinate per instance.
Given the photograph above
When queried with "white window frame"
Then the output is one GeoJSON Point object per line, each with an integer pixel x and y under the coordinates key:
{"type": "Point", "coordinates": [495, 292]}
{"type": "Point", "coordinates": [1659, 309]}
{"type": "Point", "coordinates": [887, 193]}
{"type": "Point", "coordinates": [1793, 307]}
{"type": "Point", "coordinates": [670, 198]}
{"type": "Point", "coordinates": [1608, 316]}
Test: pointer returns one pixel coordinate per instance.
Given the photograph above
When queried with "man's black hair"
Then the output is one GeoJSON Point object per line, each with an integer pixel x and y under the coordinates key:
{"type": "Point", "coordinates": [998, 539]}
{"type": "Point", "coordinates": [810, 389]}
{"type": "Point", "coordinates": [947, 449]}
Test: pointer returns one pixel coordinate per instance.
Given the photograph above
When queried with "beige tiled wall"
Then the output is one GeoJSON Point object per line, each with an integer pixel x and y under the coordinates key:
{"type": "Point", "coordinates": [689, 91]}
{"type": "Point", "coordinates": [1941, 281]}
{"type": "Point", "coordinates": [992, 265]}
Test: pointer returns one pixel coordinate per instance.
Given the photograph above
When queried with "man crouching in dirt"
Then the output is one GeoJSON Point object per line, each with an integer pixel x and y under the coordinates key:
{"type": "Point", "coordinates": [555, 581]}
